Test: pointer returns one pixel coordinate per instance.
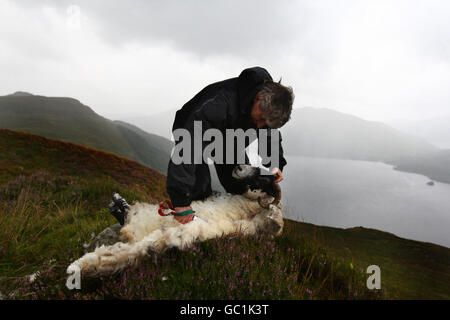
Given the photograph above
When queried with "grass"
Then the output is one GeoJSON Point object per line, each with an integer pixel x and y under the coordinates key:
{"type": "Point", "coordinates": [53, 199]}
{"type": "Point", "coordinates": [44, 230]}
{"type": "Point", "coordinates": [54, 195]}
{"type": "Point", "coordinates": [225, 268]}
{"type": "Point", "coordinates": [409, 269]}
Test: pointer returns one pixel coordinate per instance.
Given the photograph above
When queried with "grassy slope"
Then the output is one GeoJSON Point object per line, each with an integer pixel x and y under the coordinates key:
{"type": "Point", "coordinates": [53, 197]}
{"type": "Point", "coordinates": [53, 192]}
{"type": "Point", "coordinates": [409, 269]}
{"type": "Point", "coordinates": [67, 119]}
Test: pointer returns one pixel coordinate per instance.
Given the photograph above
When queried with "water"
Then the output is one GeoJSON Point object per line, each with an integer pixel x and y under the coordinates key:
{"type": "Point", "coordinates": [347, 193]}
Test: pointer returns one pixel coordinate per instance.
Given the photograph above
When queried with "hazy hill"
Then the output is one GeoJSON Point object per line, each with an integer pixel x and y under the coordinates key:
{"type": "Point", "coordinates": [69, 120]}
{"type": "Point", "coordinates": [153, 148]}
{"type": "Point", "coordinates": [54, 198]}
{"type": "Point", "coordinates": [328, 133]}
{"type": "Point", "coordinates": [159, 123]}
{"type": "Point", "coordinates": [321, 132]}
{"type": "Point", "coordinates": [435, 130]}
{"type": "Point", "coordinates": [435, 165]}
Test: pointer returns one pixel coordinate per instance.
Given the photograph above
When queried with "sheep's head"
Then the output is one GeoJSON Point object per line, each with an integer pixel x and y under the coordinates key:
{"type": "Point", "coordinates": [258, 184]}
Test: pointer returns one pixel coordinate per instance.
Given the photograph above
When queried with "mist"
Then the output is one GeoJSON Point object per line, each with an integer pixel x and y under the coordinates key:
{"type": "Point", "coordinates": [379, 61]}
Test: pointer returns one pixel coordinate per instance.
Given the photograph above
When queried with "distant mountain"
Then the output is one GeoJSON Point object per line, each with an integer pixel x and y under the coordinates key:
{"type": "Point", "coordinates": [159, 123]}
{"type": "Point", "coordinates": [435, 130]}
{"type": "Point", "coordinates": [321, 132]}
{"type": "Point", "coordinates": [328, 133]}
{"type": "Point", "coordinates": [147, 145]}
{"type": "Point", "coordinates": [325, 133]}
{"type": "Point", "coordinates": [435, 165]}
{"type": "Point", "coordinates": [69, 120]}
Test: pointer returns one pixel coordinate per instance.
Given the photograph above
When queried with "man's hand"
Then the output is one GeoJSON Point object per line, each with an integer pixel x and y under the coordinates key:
{"type": "Point", "coordinates": [277, 172]}
{"type": "Point", "coordinates": [183, 219]}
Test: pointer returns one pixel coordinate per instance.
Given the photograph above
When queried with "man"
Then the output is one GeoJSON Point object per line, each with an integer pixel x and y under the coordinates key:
{"type": "Point", "coordinates": [252, 100]}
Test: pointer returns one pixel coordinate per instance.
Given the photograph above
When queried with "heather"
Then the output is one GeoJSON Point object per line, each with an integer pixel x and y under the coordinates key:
{"type": "Point", "coordinates": [53, 201]}
{"type": "Point", "coordinates": [233, 267]}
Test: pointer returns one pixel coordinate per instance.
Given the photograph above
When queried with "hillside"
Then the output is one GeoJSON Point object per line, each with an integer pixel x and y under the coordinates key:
{"type": "Point", "coordinates": [69, 120]}
{"type": "Point", "coordinates": [53, 198]}
{"type": "Point", "coordinates": [52, 192]}
{"type": "Point", "coordinates": [410, 269]}
{"type": "Point", "coordinates": [435, 165]}
{"type": "Point", "coordinates": [23, 154]}
{"type": "Point", "coordinates": [436, 129]}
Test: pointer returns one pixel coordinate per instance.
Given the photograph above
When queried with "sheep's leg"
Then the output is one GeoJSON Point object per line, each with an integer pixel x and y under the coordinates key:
{"type": "Point", "coordinates": [110, 259]}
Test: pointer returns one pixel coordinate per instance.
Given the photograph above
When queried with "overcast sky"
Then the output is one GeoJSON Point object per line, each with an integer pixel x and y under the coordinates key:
{"type": "Point", "coordinates": [378, 60]}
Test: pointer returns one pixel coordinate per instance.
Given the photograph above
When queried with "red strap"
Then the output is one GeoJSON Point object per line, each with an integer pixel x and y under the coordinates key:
{"type": "Point", "coordinates": [163, 207]}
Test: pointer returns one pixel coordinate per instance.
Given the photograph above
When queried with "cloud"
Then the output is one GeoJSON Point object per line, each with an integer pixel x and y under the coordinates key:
{"type": "Point", "coordinates": [202, 27]}
{"type": "Point", "coordinates": [44, 55]}
{"type": "Point", "coordinates": [378, 60]}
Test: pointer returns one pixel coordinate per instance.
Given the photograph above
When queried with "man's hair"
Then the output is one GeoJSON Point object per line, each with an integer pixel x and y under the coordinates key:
{"type": "Point", "coordinates": [276, 103]}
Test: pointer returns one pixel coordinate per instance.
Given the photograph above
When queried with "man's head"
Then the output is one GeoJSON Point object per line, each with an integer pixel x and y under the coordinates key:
{"type": "Point", "coordinates": [272, 106]}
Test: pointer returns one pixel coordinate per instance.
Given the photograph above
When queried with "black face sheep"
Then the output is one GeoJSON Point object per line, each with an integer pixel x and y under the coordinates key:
{"type": "Point", "coordinates": [146, 233]}
{"type": "Point", "coordinates": [257, 185]}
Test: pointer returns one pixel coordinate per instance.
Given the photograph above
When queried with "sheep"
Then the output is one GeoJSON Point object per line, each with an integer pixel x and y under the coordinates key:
{"type": "Point", "coordinates": [147, 234]}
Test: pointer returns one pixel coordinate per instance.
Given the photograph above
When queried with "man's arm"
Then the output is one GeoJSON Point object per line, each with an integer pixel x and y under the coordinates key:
{"type": "Point", "coordinates": [181, 177]}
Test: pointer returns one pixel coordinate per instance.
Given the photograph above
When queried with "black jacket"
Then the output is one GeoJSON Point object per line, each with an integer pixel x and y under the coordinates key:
{"type": "Point", "coordinates": [222, 105]}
